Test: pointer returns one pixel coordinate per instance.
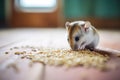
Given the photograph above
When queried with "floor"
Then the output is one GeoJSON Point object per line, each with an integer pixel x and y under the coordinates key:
{"type": "Point", "coordinates": [110, 39]}
{"type": "Point", "coordinates": [49, 38]}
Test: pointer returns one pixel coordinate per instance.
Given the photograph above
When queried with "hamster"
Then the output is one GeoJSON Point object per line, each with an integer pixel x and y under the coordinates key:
{"type": "Point", "coordinates": [82, 35]}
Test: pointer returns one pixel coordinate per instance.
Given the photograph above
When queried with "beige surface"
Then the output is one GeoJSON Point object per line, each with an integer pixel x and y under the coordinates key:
{"type": "Point", "coordinates": [48, 38]}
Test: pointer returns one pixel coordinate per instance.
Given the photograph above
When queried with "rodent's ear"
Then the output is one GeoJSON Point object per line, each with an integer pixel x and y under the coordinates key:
{"type": "Point", "coordinates": [87, 25]}
{"type": "Point", "coordinates": [67, 24]}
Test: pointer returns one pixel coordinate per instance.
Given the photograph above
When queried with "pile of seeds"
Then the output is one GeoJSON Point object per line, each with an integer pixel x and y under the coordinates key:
{"type": "Point", "coordinates": [70, 58]}
{"type": "Point", "coordinates": [64, 57]}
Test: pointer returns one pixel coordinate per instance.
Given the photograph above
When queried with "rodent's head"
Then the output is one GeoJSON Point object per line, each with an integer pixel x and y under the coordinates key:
{"type": "Point", "coordinates": [76, 31]}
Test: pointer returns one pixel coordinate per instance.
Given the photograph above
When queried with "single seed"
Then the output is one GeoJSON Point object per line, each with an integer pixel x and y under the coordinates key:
{"type": "Point", "coordinates": [6, 52]}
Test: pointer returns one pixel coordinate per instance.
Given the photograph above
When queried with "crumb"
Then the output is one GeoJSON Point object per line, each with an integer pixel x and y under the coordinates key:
{"type": "Point", "coordinates": [16, 47]}
{"type": "Point", "coordinates": [22, 57]}
{"type": "Point", "coordinates": [6, 52]}
{"type": "Point", "coordinates": [18, 53]}
{"type": "Point", "coordinates": [34, 50]}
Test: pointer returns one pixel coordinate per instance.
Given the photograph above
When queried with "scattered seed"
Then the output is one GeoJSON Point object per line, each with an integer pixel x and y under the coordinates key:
{"type": "Point", "coordinates": [6, 52]}
{"type": "Point", "coordinates": [16, 47]}
{"type": "Point", "coordinates": [19, 53]}
{"type": "Point", "coordinates": [34, 50]}
{"type": "Point", "coordinates": [68, 58]}
{"type": "Point", "coordinates": [22, 57]}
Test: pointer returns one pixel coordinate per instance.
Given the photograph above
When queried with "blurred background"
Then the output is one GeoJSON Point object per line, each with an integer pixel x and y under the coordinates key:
{"type": "Point", "coordinates": [39, 24]}
{"type": "Point", "coordinates": [34, 15]}
{"type": "Point", "coordinates": [104, 14]}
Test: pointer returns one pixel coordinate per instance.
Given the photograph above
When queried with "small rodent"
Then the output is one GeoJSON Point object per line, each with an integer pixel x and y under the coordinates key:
{"type": "Point", "coordinates": [82, 35]}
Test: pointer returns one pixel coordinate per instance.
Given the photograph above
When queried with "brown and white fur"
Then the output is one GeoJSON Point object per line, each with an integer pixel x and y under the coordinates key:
{"type": "Point", "coordinates": [82, 35]}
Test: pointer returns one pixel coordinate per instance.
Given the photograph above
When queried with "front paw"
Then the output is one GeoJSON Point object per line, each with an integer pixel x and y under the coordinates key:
{"type": "Point", "coordinates": [90, 48]}
{"type": "Point", "coordinates": [81, 48]}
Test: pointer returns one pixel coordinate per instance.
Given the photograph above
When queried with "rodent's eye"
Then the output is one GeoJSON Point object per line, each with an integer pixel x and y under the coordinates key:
{"type": "Point", "coordinates": [76, 38]}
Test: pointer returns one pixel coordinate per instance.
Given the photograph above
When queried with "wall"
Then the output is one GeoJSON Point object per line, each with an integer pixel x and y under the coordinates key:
{"type": "Point", "coordinates": [2, 13]}
{"type": "Point", "coordinates": [92, 8]}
